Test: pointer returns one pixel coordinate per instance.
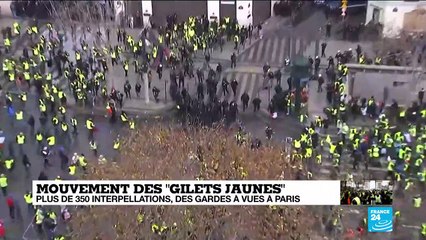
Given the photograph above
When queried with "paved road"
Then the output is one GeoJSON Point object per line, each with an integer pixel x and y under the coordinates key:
{"type": "Point", "coordinates": [274, 49]}
{"type": "Point", "coordinates": [282, 41]}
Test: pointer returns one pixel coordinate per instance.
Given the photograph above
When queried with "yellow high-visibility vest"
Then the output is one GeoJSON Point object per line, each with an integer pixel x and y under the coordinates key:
{"type": "Point", "coordinates": [28, 198]}
{"type": "Point", "coordinates": [20, 139]}
{"type": "Point", "coordinates": [51, 140]}
{"type": "Point", "coordinates": [116, 145]}
{"type": "Point", "coordinates": [3, 181]}
{"type": "Point", "coordinates": [9, 163]}
{"type": "Point", "coordinates": [19, 115]}
{"type": "Point", "coordinates": [82, 161]}
{"type": "Point", "coordinates": [7, 42]}
{"type": "Point", "coordinates": [71, 170]}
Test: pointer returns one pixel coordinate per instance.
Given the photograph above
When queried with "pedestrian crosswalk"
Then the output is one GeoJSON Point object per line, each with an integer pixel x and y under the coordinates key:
{"type": "Point", "coordinates": [251, 83]}
{"type": "Point", "coordinates": [274, 50]}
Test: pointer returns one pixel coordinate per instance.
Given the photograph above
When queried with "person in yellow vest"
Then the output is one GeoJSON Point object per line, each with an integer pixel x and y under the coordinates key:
{"type": "Point", "coordinates": [77, 56]}
{"type": "Point", "coordinates": [20, 140]}
{"type": "Point", "coordinates": [52, 215]}
{"type": "Point", "coordinates": [116, 145]}
{"type": "Point", "coordinates": [59, 237]}
{"type": "Point", "coordinates": [72, 169]}
{"type": "Point", "coordinates": [9, 164]}
{"type": "Point", "coordinates": [319, 158]}
{"type": "Point", "coordinates": [7, 44]}
{"type": "Point", "coordinates": [90, 127]}
{"type": "Point", "coordinates": [16, 28]}
{"type": "Point", "coordinates": [5, 68]}
{"type": "Point", "coordinates": [28, 197]}
{"type": "Point", "coordinates": [55, 120]}
{"type": "Point", "coordinates": [126, 68]}
{"type": "Point", "coordinates": [123, 117]}
{"type": "Point", "coordinates": [19, 115]}
{"type": "Point", "coordinates": [3, 184]}
{"type": "Point", "coordinates": [236, 41]}
{"type": "Point", "coordinates": [51, 141]}
{"type": "Point", "coordinates": [140, 217]}
{"type": "Point", "coordinates": [361, 59]}
{"type": "Point", "coordinates": [12, 76]}
{"type": "Point", "coordinates": [39, 218]}
{"type": "Point", "coordinates": [113, 57]}
{"type": "Point", "coordinates": [423, 230]}
{"type": "Point", "coordinates": [39, 138]}
{"type": "Point", "coordinates": [82, 162]}
{"type": "Point", "coordinates": [34, 29]}
{"type": "Point", "coordinates": [94, 147]}
{"type": "Point", "coordinates": [23, 97]}
{"type": "Point", "coordinates": [64, 127]}
{"type": "Point", "coordinates": [417, 201]}
{"type": "Point", "coordinates": [62, 110]}
{"type": "Point", "coordinates": [155, 228]}
{"type": "Point", "coordinates": [74, 124]}
{"type": "Point", "coordinates": [132, 124]}
{"type": "Point", "coordinates": [356, 201]}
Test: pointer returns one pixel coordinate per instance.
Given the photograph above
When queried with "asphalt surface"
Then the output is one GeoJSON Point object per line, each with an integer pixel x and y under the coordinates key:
{"type": "Point", "coordinates": [284, 126]}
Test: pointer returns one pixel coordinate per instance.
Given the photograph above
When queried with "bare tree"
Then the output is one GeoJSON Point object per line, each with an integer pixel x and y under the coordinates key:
{"type": "Point", "coordinates": [177, 154]}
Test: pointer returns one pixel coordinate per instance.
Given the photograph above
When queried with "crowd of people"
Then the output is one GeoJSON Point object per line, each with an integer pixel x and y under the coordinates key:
{"type": "Point", "coordinates": [353, 196]}
{"type": "Point", "coordinates": [398, 135]}
{"type": "Point", "coordinates": [44, 63]}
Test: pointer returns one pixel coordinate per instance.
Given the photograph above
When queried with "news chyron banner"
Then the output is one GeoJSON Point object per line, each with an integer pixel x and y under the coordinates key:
{"type": "Point", "coordinates": [186, 193]}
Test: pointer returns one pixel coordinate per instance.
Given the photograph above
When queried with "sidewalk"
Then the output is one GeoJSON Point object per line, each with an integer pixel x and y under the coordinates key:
{"type": "Point", "coordinates": [334, 45]}
{"type": "Point", "coordinates": [316, 102]}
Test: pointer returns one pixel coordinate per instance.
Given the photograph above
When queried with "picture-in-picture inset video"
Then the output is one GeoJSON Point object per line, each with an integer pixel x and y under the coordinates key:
{"type": "Point", "coordinates": [366, 192]}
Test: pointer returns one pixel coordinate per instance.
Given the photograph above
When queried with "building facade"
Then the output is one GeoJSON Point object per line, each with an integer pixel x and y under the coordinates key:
{"type": "Point", "coordinates": [397, 16]}
{"type": "Point", "coordinates": [5, 8]}
{"type": "Point", "coordinates": [245, 11]}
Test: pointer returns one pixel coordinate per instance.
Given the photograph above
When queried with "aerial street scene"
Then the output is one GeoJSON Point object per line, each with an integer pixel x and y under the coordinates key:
{"type": "Point", "coordinates": [225, 120]}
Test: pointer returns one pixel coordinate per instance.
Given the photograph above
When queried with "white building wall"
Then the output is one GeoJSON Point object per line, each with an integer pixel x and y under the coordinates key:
{"type": "Point", "coordinates": [244, 12]}
{"type": "Point", "coordinates": [119, 10]}
{"type": "Point", "coordinates": [213, 10]}
{"type": "Point", "coordinates": [392, 21]}
{"type": "Point", "coordinates": [272, 6]}
{"type": "Point", "coordinates": [146, 11]}
{"type": "Point", "coordinates": [5, 8]}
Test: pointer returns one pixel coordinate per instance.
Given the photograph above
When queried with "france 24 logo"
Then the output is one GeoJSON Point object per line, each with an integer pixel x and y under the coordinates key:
{"type": "Point", "coordinates": [380, 219]}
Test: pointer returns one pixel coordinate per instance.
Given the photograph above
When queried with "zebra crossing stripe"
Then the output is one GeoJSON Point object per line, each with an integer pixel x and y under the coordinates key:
{"type": "Point", "coordinates": [254, 85]}
{"type": "Point", "coordinates": [288, 48]}
{"type": "Point", "coordinates": [266, 55]}
{"type": "Point", "coordinates": [242, 83]}
{"type": "Point", "coordinates": [259, 48]}
{"type": "Point", "coordinates": [251, 53]}
{"type": "Point", "coordinates": [293, 47]}
{"type": "Point", "coordinates": [274, 53]}
{"type": "Point", "coordinates": [282, 51]}
{"type": "Point", "coordinates": [298, 45]}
